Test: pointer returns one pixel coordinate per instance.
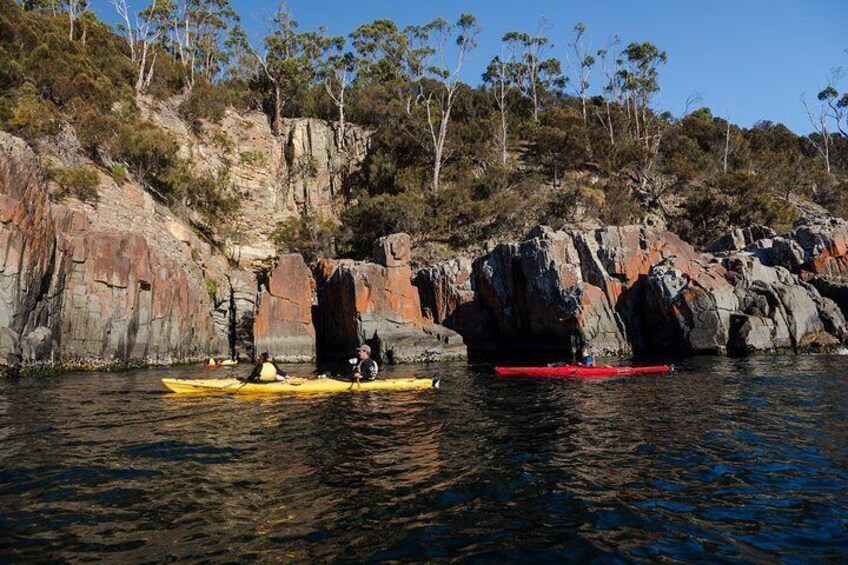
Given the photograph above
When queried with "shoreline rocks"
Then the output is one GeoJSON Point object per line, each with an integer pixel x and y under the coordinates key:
{"type": "Point", "coordinates": [376, 303]}
{"type": "Point", "coordinates": [126, 282]}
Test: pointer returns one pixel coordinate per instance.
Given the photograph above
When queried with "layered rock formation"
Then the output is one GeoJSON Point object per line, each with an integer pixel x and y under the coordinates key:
{"type": "Point", "coordinates": [76, 291]}
{"type": "Point", "coordinates": [376, 303]}
{"type": "Point", "coordinates": [304, 169]}
{"type": "Point", "coordinates": [283, 325]}
{"type": "Point", "coordinates": [634, 289]}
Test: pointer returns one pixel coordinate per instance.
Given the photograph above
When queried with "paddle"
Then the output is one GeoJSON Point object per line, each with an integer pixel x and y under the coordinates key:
{"type": "Point", "coordinates": [244, 382]}
{"type": "Point", "coordinates": [356, 374]}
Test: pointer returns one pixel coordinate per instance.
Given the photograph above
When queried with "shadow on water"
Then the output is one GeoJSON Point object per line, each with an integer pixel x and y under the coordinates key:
{"type": "Point", "coordinates": [742, 460]}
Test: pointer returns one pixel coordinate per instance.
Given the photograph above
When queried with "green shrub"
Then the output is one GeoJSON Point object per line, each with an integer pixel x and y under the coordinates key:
{"type": "Point", "coordinates": [252, 158]}
{"type": "Point", "coordinates": [223, 141]}
{"type": "Point", "coordinates": [80, 182]}
{"type": "Point", "coordinates": [28, 115]}
{"type": "Point", "coordinates": [119, 174]}
{"type": "Point", "coordinates": [211, 195]}
{"type": "Point", "coordinates": [149, 151]}
{"type": "Point", "coordinates": [733, 199]}
{"type": "Point", "coordinates": [311, 237]}
{"type": "Point", "coordinates": [205, 102]}
{"type": "Point", "coordinates": [212, 289]}
{"type": "Point", "coordinates": [381, 215]}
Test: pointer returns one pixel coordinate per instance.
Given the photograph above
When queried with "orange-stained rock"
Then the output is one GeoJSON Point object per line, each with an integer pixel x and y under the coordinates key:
{"type": "Point", "coordinates": [631, 288]}
{"type": "Point", "coordinates": [71, 294]}
{"type": "Point", "coordinates": [362, 302]}
{"type": "Point", "coordinates": [283, 322]}
{"type": "Point", "coordinates": [393, 250]}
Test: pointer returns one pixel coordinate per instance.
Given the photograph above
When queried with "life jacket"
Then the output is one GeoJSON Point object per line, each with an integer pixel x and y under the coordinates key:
{"type": "Point", "coordinates": [358, 369]}
{"type": "Point", "coordinates": [268, 372]}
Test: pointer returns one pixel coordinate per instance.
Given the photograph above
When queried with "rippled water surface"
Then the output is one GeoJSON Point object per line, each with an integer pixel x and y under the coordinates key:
{"type": "Point", "coordinates": [725, 461]}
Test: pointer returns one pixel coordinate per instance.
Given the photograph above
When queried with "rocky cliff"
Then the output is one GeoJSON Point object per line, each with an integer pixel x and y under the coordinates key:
{"type": "Point", "coordinates": [637, 290]}
{"type": "Point", "coordinates": [78, 289]}
{"type": "Point", "coordinates": [125, 279]}
{"type": "Point", "coordinates": [283, 326]}
{"type": "Point", "coordinates": [302, 170]}
{"type": "Point", "coordinates": [376, 303]}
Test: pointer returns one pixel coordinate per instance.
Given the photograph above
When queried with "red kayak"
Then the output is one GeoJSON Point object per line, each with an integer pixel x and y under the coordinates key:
{"type": "Point", "coordinates": [580, 371]}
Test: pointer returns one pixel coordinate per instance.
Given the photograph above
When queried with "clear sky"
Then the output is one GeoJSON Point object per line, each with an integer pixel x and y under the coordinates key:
{"type": "Point", "coordinates": [751, 59]}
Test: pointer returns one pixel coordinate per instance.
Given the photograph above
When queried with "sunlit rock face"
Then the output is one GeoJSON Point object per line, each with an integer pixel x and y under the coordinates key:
{"type": "Point", "coordinates": [376, 303]}
{"type": "Point", "coordinates": [633, 289]}
{"type": "Point", "coordinates": [283, 324]}
{"type": "Point", "coordinates": [74, 292]}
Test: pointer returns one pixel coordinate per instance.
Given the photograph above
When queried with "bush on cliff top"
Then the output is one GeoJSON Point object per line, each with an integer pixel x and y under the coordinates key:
{"type": "Point", "coordinates": [645, 161]}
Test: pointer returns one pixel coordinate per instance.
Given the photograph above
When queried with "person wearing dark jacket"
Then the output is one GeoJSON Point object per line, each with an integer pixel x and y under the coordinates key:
{"type": "Point", "coordinates": [366, 369]}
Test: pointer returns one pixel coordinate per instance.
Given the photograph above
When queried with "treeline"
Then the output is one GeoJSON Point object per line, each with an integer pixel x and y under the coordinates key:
{"type": "Point", "coordinates": [553, 133]}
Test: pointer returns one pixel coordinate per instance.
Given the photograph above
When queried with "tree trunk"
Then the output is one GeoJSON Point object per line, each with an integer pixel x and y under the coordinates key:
{"type": "Point", "coordinates": [535, 103]}
{"type": "Point", "coordinates": [437, 170]}
{"type": "Point", "coordinates": [503, 137]}
{"type": "Point", "coordinates": [342, 142]}
{"type": "Point", "coordinates": [277, 120]}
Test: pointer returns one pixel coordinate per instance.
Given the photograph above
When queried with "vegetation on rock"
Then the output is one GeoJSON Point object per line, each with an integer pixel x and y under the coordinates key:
{"type": "Point", "coordinates": [451, 163]}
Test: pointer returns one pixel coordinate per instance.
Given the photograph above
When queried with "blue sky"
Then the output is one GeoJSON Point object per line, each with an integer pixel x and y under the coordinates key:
{"type": "Point", "coordinates": [750, 59]}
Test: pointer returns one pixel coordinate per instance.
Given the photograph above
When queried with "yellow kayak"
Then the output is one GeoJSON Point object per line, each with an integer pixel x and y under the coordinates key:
{"type": "Point", "coordinates": [228, 363]}
{"type": "Point", "coordinates": [295, 385]}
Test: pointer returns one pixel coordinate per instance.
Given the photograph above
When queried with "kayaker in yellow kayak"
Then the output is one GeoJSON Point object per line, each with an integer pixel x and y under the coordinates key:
{"type": "Point", "coordinates": [265, 371]}
{"type": "Point", "coordinates": [366, 369]}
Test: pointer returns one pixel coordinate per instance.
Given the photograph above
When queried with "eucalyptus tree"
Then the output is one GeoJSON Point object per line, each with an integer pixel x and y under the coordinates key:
{"type": "Point", "coordinates": [582, 64]}
{"type": "Point", "coordinates": [381, 49]}
{"type": "Point", "coordinates": [638, 71]}
{"type": "Point", "coordinates": [337, 73]}
{"type": "Point", "coordinates": [534, 73]}
{"type": "Point", "coordinates": [611, 87]}
{"type": "Point", "coordinates": [76, 10]}
{"type": "Point", "coordinates": [142, 32]}
{"type": "Point", "coordinates": [827, 116]}
{"type": "Point", "coordinates": [434, 62]}
{"type": "Point", "coordinates": [195, 32]}
{"type": "Point", "coordinates": [290, 59]}
{"type": "Point", "coordinates": [501, 81]}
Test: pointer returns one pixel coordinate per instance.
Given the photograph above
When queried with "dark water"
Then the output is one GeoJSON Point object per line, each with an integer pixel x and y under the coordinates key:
{"type": "Point", "coordinates": [727, 461]}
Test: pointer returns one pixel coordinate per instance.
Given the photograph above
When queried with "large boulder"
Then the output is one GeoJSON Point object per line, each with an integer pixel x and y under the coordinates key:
{"type": "Point", "coordinates": [691, 309]}
{"type": "Point", "coordinates": [737, 239]}
{"type": "Point", "coordinates": [377, 303]}
{"type": "Point", "coordinates": [283, 322]}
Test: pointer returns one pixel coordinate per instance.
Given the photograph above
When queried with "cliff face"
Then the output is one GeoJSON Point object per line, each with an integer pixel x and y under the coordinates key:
{"type": "Point", "coordinates": [633, 289]}
{"type": "Point", "coordinates": [376, 302]}
{"type": "Point", "coordinates": [128, 280]}
{"type": "Point", "coordinates": [283, 326]}
{"type": "Point", "coordinates": [86, 287]}
{"type": "Point", "coordinates": [303, 170]}
{"type": "Point", "coordinates": [27, 252]}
